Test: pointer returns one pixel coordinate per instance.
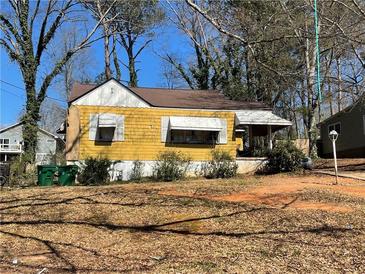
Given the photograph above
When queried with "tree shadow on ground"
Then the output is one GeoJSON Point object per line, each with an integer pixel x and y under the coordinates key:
{"type": "Point", "coordinates": [165, 228]}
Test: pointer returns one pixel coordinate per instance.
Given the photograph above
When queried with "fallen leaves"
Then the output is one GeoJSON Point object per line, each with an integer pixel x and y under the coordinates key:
{"type": "Point", "coordinates": [147, 228]}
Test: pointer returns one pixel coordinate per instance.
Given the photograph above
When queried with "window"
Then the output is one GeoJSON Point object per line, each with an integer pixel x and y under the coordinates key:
{"type": "Point", "coordinates": [193, 137]}
{"type": "Point", "coordinates": [4, 143]}
{"type": "Point", "coordinates": [105, 134]}
{"type": "Point", "coordinates": [193, 130]}
{"type": "Point", "coordinates": [335, 126]}
{"type": "Point", "coordinates": [106, 127]}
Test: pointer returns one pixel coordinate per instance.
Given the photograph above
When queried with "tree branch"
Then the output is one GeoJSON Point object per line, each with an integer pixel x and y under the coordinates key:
{"type": "Point", "coordinates": [359, 8]}
{"type": "Point", "coordinates": [44, 38]}
{"type": "Point", "coordinates": [214, 22]}
{"type": "Point", "coordinates": [34, 15]}
{"type": "Point", "coordinates": [141, 48]}
{"type": "Point", "coordinates": [12, 29]}
{"type": "Point", "coordinates": [58, 67]}
{"type": "Point", "coordinates": [13, 55]}
{"type": "Point", "coordinates": [181, 70]}
{"type": "Point", "coordinates": [217, 25]}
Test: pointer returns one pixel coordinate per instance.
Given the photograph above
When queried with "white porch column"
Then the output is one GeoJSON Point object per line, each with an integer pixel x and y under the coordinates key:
{"type": "Point", "coordinates": [250, 138]}
{"type": "Point", "coordinates": [270, 136]}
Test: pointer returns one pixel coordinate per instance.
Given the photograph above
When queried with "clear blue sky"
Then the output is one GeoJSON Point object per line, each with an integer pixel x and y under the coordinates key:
{"type": "Point", "coordinates": [12, 99]}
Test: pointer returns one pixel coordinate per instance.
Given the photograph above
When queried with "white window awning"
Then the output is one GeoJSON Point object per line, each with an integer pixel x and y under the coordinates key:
{"type": "Point", "coordinates": [107, 120]}
{"type": "Point", "coordinates": [195, 123]}
{"type": "Point", "coordinates": [260, 117]}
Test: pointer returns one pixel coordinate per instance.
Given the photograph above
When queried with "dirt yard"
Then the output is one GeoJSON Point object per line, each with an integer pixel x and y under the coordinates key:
{"type": "Point", "coordinates": [271, 224]}
{"type": "Point", "coordinates": [344, 164]}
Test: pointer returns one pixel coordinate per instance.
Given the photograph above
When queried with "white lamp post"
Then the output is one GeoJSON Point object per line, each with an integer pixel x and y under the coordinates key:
{"type": "Point", "coordinates": [333, 136]}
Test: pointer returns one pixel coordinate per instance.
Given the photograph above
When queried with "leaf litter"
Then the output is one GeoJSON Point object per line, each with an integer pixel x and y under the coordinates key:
{"type": "Point", "coordinates": [269, 224]}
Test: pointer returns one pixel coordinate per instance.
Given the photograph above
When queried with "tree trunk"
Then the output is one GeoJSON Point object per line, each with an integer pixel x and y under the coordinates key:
{"type": "Point", "coordinates": [248, 73]}
{"type": "Point", "coordinates": [108, 73]}
{"type": "Point", "coordinates": [330, 98]}
{"type": "Point", "coordinates": [133, 81]}
{"type": "Point", "coordinates": [31, 116]}
{"type": "Point", "coordinates": [311, 104]}
{"type": "Point", "coordinates": [339, 85]}
{"type": "Point", "coordinates": [115, 59]}
{"type": "Point", "coordinates": [30, 129]}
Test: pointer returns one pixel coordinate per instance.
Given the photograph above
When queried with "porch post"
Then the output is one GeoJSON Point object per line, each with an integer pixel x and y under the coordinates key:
{"type": "Point", "coordinates": [270, 136]}
{"type": "Point", "coordinates": [250, 139]}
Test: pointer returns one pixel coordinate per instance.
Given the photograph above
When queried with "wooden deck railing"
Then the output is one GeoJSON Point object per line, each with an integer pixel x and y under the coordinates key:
{"type": "Point", "coordinates": [11, 148]}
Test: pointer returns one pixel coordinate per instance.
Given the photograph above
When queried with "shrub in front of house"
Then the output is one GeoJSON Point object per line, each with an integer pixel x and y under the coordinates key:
{"type": "Point", "coordinates": [222, 165]}
{"type": "Point", "coordinates": [171, 166]}
{"type": "Point", "coordinates": [284, 157]}
{"type": "Point", "coordinates": [136, 173]}
{"type": "Point", "coordinates": [95, 171]}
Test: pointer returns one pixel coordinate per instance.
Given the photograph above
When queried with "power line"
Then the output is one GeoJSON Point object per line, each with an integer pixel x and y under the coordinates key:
{"type": "Point", "coordinates": [10, 84]}
{"type": "Point", "coordinates": [22, 96]}
{"type": "Point", "coordinates": [49, 97]}
{"type": "Point", "coordinates": [12, 93]}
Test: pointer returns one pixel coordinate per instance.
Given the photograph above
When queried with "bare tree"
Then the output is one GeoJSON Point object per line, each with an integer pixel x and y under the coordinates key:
{"type": "Point", "coordinates": [172, 78]}
{"type": "Point", "coordinates": [290, 26]}
{"type": "Point", "coordinates": [98, 9]}
{"type": "Point", "coordinates": [79, 65]}
{"type": "Point", "coordinates": [136, 20]}
{"type": "Point", "coordinates": [26, 46]}
{"type": "Point", "coordinates": [197, 74]}
{"type": "Point", "coordinates": [52, 115]}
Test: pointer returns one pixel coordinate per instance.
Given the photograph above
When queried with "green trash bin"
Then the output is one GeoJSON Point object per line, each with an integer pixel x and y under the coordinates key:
{"type": "Point", "coordinates": [67, 175]}
{"type": "Point", "coordinates": [46, 174]}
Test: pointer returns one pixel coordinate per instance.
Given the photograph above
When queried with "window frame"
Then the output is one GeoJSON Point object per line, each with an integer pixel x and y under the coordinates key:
{"type": "Point", "coordinates": [193, 141]}
{"type": "Point", "coordinates": [3, 143]}
{"type": "Point", "coordinates": [334, 127]}
{"type": "Point", "coordinates": [95, 129]}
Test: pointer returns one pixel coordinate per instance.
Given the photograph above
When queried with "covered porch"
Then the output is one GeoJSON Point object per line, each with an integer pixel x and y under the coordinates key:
{"type": "Point", "coordinates": [253, 127]}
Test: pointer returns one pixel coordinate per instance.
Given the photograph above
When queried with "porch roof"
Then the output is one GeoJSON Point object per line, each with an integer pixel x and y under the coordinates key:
{"type": "Point", "coordinates": [195, 123]}
{"type": "Point", "coordinates": [260, 117]}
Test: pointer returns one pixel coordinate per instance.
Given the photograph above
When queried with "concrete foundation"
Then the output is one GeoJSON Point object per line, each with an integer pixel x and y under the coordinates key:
{"type": "Point", "coordinates": [250, 164]}
{"type": "Point", "coordinates": [121, 170]}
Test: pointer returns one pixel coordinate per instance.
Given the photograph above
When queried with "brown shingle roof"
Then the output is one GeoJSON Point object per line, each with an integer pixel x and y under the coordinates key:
{"type": "Point", "coordinates": [178, 98]}
{"type": "Point", "coordinates": [79, 90]}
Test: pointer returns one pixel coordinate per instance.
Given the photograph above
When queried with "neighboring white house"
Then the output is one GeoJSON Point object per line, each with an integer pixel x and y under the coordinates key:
{"type": "Point", "coordinates": [11, 144]}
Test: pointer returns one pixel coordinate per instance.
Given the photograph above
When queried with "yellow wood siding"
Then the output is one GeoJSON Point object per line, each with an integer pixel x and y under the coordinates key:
{"type": "Point", "coordinates": [142, 134]}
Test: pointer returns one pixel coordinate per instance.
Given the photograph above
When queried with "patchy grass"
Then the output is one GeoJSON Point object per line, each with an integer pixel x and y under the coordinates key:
{"type": "Point", "coordinates": [187, 227]}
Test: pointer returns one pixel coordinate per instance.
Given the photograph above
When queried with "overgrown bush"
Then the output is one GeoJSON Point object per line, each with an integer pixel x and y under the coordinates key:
{"type": "Point", "coordinates": [260, 152]}
{"type": "Point", "coordinates": [22, 173]}
{"type": "Point", "coordinates": [137, 171]}
{"type": "Point", "coordinates": [59, 158]}
{"type": "Point", "coordinates": [171, 166]}
{"type": "Point", "coordinates": [222, 165]}
{"type": "Point", "coordinates": [284, 157]}
{"type": "Point", "coordinates": [95, 171]}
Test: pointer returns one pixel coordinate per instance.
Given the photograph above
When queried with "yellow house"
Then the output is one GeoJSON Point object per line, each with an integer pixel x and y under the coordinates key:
{"type": "Point", "coordinates": [126, 124]}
